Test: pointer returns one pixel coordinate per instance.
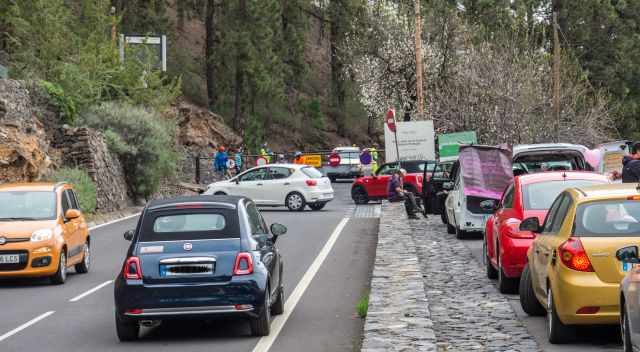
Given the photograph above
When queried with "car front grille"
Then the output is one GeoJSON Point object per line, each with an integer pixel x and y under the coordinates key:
{"type": "Point", "coordinates": [24, 259]}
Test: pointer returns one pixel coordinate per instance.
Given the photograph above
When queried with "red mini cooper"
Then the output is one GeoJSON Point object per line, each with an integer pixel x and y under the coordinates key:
{"type": "Point", "coordinates": [374, 187]}
{"type": "Point", "coordinates": [505, 246]}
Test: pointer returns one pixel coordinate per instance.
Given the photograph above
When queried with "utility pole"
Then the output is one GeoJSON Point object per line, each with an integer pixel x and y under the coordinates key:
{"type": "Point", "coordinates": [419, 93]}
{"type": "Point", "coordinates": [556, 75]}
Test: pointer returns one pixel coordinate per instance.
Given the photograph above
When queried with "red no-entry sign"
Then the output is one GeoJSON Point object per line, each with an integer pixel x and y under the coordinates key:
{"type": "Point", "coordinates": [334, 159]}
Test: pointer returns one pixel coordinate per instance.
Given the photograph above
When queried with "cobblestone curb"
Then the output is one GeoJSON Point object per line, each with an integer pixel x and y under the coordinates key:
{"type": "Point", "coordinates": [398, 318]}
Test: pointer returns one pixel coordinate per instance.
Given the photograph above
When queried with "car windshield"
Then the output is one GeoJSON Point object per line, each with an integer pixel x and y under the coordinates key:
{"type": "Point", "coordinates": [312, 172]}
{"type": "Point", "coordinates": [539, 196]}
{"type": "Point", "coordinates": [190, 224]}
{"type": "Point", "coordinates": [27, 205]}
{"type": "Point", "coordinates": [614, 218]}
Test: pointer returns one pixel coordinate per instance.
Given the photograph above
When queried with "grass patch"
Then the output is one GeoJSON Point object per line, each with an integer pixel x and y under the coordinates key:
{"type": "Point", "coordinates": [363, 306]}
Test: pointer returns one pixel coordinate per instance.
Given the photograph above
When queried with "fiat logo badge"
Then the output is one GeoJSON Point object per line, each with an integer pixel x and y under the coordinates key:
{"type": "Point", "coordinates": [3, 240]}
{"type": "Point", "coordinates": [187, 246]}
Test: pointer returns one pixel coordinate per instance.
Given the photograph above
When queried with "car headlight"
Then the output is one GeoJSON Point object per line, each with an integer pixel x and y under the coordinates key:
{"type": "Point", "coordinates": [45, 234]}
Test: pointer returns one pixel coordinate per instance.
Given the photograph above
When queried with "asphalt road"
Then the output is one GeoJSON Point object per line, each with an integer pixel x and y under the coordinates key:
{"type": "Point", "coordinates": [596, 338]}
{"type": "Point", "coordinates": [329, 269]}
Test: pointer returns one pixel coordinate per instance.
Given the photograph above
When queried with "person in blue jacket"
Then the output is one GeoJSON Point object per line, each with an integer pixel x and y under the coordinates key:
{"type": "Point", "coordinates": [220, 162]}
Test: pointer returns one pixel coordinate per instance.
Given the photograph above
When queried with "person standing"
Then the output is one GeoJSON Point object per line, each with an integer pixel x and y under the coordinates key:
{"type": "Point", "coordinates": [220, 162]}
{"type": "Point", "coordinates": [238, 160]}
{"type": "Point", "coordinates": [374, 159]}
{"type": "Point", "coordinates": [397, 193]}
{"type": "Point", "coordinates": [630, 166]}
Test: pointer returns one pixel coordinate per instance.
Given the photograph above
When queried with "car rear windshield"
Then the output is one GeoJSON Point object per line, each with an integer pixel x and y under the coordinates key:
{"type": "Point", "coordinates": [539, 196]}
{"type": "Point", "coordinates": [312, 172]}
{"type": "Point", "coordinates": [189, 224]}
{"type": "Point", "coordinates": [616, 218]}
{"type": "Point", "coordinates": [27, 205]}
{"type": "Point", "coordinates": [349, 153]}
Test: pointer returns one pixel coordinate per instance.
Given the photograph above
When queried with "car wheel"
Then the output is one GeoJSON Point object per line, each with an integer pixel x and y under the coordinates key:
{"type": "Point", "coordinates": [261, 326]}
{"type": "Point", "coordinates": [317, 206]}
{"type": "Point", "coordinates": [528, 299]}
{"type": "Point", "coordinates": [558, 332]}
{"type": "Point", "coordinates": [492, 273]}
{"type": "Point", "coordinates": [219, 193]}
{"type": "Point", "coordinates": [295, 201]}
{"type": "Point", "coordinates": [278, 306]}
{"type": "Point", "coordinates": [126, 330]}
{"type": "Point", "coordinates": [460, 234]}
{"type": "Point", "coordinates": [625, 329]}
{"type": "Point", "coordinates": [359, 195]}
{"type": "Point", "coordinates": [85, 264]}
{"type": "Point", "coordinates": [60, 276]}
{"type": "Point", "coordinates": [505, 284]}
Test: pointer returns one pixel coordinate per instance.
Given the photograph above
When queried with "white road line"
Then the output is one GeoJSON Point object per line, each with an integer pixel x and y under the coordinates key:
{"type": "Point", "coordinates": [83, 295]}
{"type": "Point", "coordinates": [114, 221]}
{"type": "Point", "coordinates": [264, 344]}
{"type": "Point", "coordinates": [25, 325]}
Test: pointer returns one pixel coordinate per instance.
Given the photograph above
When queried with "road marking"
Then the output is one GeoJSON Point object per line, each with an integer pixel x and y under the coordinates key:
{"type": "Point", "coordinates": [25, 325]}
{"type": "Point", "coordinates": [115, 221]}
{"type": "Point", "coordinates": [83, 295]}
{"type": "Point", "coordinates": [264, 344]}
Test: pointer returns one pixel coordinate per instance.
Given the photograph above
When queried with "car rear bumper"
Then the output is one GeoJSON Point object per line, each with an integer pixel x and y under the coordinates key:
{"type": "Point", "coordinates": [513, 255]}
{"type": "Point", "coordinates": [138, 301]}
{"type": "Point", "coordinates": [569, 296]}
{"type": "Point", "coordinates": [320, 196]}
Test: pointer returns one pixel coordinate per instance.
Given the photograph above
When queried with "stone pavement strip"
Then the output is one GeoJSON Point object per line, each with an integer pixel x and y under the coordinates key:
{"type": "Point", "coordinates": [429, 294]}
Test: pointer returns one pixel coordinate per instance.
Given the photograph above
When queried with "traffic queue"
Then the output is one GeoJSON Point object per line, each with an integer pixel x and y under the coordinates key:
{"type": "Point", "coordinates": [558, 226]}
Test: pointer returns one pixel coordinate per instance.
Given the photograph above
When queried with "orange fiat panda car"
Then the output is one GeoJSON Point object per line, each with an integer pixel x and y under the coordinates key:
{"type": "Point", "coordinates": [42, 231]}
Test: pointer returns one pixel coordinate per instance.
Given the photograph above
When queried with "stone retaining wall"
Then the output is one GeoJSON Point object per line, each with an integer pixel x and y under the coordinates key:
{"type": "Point", "coordinates": [398, 318]}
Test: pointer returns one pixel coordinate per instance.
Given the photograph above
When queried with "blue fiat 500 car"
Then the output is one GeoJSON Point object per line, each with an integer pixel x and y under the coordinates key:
{"type": "Point", "coordinates": [200, 257]}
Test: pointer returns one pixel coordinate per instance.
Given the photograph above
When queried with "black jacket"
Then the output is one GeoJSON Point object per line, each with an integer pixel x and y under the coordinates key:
{"type": "Point", "coordinates": [630, 170]}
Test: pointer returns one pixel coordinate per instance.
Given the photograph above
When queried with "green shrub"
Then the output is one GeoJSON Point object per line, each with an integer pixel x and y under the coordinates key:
{"type": "Point", "coordinates": [82, 184]}
{"type": "Point", "coordinates": [362, 307]}
{"type": "Point", "coordinates": [65, 104]}
{"type": "Point", "coordinates": [143, 140]}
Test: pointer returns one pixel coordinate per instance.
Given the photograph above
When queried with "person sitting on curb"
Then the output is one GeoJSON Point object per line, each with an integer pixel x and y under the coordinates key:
{"type": "Point", "coordinates": [397, 193]}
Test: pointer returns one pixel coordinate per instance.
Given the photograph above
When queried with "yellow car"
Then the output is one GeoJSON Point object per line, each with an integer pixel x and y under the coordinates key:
{"type": "Point", "coordinates": [572, 273]}
{"type": "Point", "coordinates": [42, 232]}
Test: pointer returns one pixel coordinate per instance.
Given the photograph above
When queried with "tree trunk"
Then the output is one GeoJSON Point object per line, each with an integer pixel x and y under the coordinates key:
{"type": "Point", "coordinates": [338, 92]}
{"type": "Point", "coordinates": [210, 51]}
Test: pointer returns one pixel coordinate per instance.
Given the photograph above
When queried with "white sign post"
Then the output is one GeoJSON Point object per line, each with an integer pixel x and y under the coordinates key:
{"type": "Point", "coordinates": [416, 141]}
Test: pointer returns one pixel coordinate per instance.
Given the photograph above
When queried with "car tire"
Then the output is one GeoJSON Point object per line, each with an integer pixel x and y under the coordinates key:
{"type": "Point", "coordinates": [625, 328]}
{"type": "Point", "coordinates": [126, 330]}
{"type": "Point", "coordinates": [261, 326]}
{"type": "Point", "coordinates": [558, 332]}
{"type": "Point", "coordinates": [460, 234]}
{"type": "Point", "coordinates": [60, 276]}
{"type": "Point", "coordinates": [84, 266]}
{"type": "Point", "coordinates": [492, 273]}
{"type": "Point", "coordinates": [317, 206]}
{"type": "Point", "coordinates": [505, 284]}
{"type": "Point", "coordinates": [528, 299]}
{"type": "Point", "coordinates": [359, 195]}
{"type": "Point", "coordinates": [278, 306]}
{"type": "Point", "coordinates": [295, 201]}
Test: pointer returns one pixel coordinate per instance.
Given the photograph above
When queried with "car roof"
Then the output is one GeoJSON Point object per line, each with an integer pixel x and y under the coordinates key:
{"type": "Point", "coordinates": [291, 166]}
{"type": "Point", "coordinates": [520, 148]}
{"type": "Point", "coordinates": [219, 200]}
{"type": "Point", "coordinates": [538, 177]}
{"type": "Point", "coordinates": [346, 148]}
{"type": "Point", "coordinates": [604, 192]}
{"type": "Point", "coordinates": [30, 186]}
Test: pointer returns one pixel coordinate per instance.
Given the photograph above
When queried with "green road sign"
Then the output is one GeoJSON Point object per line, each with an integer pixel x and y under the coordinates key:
{"type": "Point", "coordinates": [449, 144]}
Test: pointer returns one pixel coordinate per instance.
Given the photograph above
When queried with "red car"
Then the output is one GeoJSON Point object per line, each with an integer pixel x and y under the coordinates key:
{"type": "Point", "coordinates": [374, 187]}
{"type": "Point", "coordinates": [505, 245]}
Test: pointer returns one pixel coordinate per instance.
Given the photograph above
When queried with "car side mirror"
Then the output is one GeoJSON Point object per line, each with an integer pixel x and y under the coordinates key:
{"type": "Point", "coordinates": [531, 224]}
{"type": "Point", "coordinates": [628, 255]}
{"type": "Point", "coordinates": [72, 214]}
{"type": "Point", "coordinates": [278, 229]}
{"type": "Point", "coordinates": [447, 186]}
{"type": "Point", "coordinates": [489, 205]}
{"type": "Point", "coordinates": [128, 235]}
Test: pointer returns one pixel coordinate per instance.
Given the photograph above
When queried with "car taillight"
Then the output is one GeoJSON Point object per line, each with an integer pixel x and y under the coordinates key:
{"type": "Point", "coordinates": [513, 231]}
{"type": "Point", "coordinates": [573, 255]}
{"type": "Point", "coordinates": [312, 183]}
{"type": "Point", "coordinates": [132, 269]}
{"type": "Point", "coordinates": [244, 264]}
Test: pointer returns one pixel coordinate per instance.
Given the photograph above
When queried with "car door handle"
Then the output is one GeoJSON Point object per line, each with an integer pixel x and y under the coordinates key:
{"type": "Point", "coordinates": [287, 183]}
{"type": "Point", "coordinates": [259, 184]}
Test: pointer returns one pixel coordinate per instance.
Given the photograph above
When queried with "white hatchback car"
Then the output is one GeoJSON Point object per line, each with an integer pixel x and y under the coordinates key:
{"type": "Point", "coordinates": [294, 186]}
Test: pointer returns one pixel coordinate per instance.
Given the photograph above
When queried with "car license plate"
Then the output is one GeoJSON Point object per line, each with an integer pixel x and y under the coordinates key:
{"type": "Point", "coordinates": [9, 259]}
